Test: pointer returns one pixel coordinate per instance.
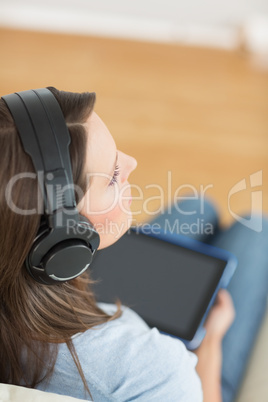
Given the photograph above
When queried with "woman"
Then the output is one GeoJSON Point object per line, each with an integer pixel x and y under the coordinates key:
{"type": "Point", "coordinates": [57, 338]}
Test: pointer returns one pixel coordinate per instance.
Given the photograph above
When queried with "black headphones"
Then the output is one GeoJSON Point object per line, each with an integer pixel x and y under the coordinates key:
{"type": "Point", "coordinates": [66, 241]}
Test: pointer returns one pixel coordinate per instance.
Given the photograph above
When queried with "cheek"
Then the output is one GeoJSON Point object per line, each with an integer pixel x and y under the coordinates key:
{"type": "Point", "coordinates": [116, 215]}
{"type": "Point", "coordinates": [110, 214]}
{"type": "Point", "coordinates": [111, 204]}
{"type": "Point", "coordinates": [111, 226]}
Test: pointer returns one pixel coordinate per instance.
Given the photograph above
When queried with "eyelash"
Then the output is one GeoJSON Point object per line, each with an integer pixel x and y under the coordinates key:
{"type": "Point", "coordinates": [116, 174]}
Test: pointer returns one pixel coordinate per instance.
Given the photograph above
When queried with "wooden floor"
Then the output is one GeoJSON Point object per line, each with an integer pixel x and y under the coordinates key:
{"type": "Point", "coordinates": [195, 117]}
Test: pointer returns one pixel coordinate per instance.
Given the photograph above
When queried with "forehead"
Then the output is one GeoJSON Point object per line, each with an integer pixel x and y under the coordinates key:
{"type": "Point", "coordinates": [101, 148]}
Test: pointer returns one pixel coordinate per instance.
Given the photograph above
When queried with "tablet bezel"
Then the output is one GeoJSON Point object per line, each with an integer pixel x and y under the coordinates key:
{"type": "Point", "coordinates": [203, 248]}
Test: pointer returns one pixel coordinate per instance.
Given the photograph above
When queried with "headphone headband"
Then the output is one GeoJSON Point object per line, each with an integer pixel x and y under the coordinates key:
{"type": "Point", "coordinates": [45, 137]}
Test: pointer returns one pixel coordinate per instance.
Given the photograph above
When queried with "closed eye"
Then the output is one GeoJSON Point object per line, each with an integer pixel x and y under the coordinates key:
{"type": "Point", "coordinates": [115, 175]}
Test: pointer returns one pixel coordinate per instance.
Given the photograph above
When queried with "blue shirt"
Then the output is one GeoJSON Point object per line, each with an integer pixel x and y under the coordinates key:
{"type": "Point", "coordinates": [125, 360]}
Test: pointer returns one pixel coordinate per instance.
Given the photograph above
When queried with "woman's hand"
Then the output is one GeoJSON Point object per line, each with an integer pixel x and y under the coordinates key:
{"type": "Point", "coordinates": [209, 352]}
{"type": "Point", "coordinates": [221, 316]}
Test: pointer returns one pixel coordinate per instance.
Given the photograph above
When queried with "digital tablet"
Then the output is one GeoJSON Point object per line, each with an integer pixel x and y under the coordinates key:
{"type": "Point", "coordinates": [170, 281]}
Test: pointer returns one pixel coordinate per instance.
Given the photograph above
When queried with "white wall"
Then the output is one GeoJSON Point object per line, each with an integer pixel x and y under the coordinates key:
{"type": "Point", "coordinates": [209, 22]}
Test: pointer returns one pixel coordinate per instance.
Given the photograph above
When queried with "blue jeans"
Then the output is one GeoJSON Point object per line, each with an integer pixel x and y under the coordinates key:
{"type": "Point", "coordinates": [248, 287]}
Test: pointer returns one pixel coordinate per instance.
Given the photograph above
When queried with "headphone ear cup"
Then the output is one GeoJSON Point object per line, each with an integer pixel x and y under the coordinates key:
{"type": "Point", "coordinates": [92, 234]}
{"type": "Point", "coordinates": [42, 232]}
{"type": "Point", "coordinates": [83, 219]}
{"type": "Point", "coordinates": [69, 257]}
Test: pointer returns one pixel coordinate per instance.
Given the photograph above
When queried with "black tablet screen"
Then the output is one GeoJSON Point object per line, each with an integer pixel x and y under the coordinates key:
{"type": "Point", "coordinates": [169, 286]}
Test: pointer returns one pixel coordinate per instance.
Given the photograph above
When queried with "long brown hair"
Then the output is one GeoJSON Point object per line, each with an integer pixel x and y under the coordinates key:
{"type": "Point", "coordinates": [34, 318]}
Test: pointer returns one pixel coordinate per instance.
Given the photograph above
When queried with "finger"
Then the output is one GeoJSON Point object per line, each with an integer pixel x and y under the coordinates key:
{"type": "Point", "coordinates": [224, 297]}
{"type": "Point", "coordinates": [226, 301]}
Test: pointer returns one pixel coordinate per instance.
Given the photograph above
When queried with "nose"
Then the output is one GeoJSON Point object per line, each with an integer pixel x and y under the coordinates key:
{"type": "Point", "coordinates": [130, 165]}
